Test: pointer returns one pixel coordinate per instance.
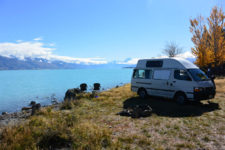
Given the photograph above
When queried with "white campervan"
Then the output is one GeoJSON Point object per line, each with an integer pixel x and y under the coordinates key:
{"type": "Point", "coordinates": [173, 78]}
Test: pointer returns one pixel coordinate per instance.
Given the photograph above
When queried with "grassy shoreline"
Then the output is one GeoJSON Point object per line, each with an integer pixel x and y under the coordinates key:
{"type": "Point", "coordinates": [93, 123]}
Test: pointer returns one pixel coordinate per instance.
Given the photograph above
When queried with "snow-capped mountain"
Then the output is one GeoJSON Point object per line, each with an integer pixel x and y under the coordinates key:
{"type": "Point", "coordinates": [61, 62]}
{"type": "Point", "coordinates": [13, 63]}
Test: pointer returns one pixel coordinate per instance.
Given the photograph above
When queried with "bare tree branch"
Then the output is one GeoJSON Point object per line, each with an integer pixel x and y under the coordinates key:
{"type": "Point", "coordinates": [172, 49]}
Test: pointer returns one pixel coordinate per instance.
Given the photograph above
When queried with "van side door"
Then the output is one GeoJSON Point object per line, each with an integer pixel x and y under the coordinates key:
{"type": "Point", "coordinates": [181, 81]}
{"type": "Point", "coordinates": [141, 79]}
{"type": "Point", "coordinates": [160, 81]}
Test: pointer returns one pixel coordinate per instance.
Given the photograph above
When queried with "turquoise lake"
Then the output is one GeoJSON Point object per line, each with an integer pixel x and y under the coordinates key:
{"type": "Point", "coordinates": [19, 87]}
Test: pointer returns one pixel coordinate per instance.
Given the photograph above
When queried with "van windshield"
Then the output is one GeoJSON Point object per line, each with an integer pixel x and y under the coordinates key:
{"type": "Point", "coordinates": [198, 75]}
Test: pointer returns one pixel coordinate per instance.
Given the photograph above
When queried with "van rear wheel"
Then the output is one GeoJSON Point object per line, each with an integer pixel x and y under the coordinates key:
{"type": "Point", "coordinates": [142, 93]}
{"type": "Point", "coordinates": [180, 98]}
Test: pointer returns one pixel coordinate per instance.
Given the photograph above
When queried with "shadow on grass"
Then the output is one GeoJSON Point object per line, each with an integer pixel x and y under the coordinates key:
{"type": "Point", "coordinates": [165, 107]}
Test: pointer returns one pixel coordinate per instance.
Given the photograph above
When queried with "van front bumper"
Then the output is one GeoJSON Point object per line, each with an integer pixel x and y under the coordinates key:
{"type": "Point", "coordinates": [205, 94]}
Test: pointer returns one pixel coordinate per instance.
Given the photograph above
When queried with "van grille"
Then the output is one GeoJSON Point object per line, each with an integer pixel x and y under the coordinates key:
{"type": "Point", "coordinates": [209, 90]}
{"type": "Point", "coordinates": [207, 93]}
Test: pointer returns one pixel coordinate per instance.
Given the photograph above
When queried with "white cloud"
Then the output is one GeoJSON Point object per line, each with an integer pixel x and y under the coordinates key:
{"type": "Point", "coordinates": [38, 39]}
{"type": "Point", "coordinates": [51, 44]}
{"type": "Point", "coordinates": [187, 54]}
{"type": "Point", "coordinates": [132, 61]}
{"type": "Point", "coordinates": [19, 41]}
{"type": "Point", "coordinates": [86, 61]}
{"type": "Point", "coordinates": [25, 49]}
{"type": "Point", "coordinates": [129, 61]}
{"type": "Point", "coordinates": [37, 49]}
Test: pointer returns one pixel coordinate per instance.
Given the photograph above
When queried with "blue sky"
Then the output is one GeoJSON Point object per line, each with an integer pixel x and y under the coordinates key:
{"type": "Point", "coordinates": [110, 29]}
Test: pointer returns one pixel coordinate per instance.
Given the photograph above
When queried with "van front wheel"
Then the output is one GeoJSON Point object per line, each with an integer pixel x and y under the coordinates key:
{"type": "Point", "coordinates": [142, 93]}
{"type": "Point", "coordinates": [180, 98]}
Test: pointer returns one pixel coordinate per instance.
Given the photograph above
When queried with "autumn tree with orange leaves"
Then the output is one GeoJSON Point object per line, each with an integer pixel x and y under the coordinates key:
{"type": "Point", "coordinates": [209, 38]}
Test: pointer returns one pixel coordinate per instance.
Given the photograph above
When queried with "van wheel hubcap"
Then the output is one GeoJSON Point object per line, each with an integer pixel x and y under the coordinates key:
{"type": "Point", "coordinates": [142, 93]}
{"type": "Point", "coordinates": [180, 99]}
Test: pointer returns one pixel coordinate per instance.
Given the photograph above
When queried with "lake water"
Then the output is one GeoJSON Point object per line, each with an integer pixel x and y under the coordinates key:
{"type": "Point", "coordinates": [19, 87]}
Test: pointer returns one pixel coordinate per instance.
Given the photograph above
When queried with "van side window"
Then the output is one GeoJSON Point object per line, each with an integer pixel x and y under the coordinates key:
{"type": "Point", "coordinates": [161, 74]}
{"type": "Point", "coordinates": [181, 75]}
{"type": "Point", "coordinates": [148, 74]}
{"type": "Point", "coordinates": [154, 63]}
{"type": "Point", "coordinates": [142, 74]}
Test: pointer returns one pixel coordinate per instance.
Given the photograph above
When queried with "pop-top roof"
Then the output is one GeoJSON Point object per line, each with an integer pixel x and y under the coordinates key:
{"type": "Point", "coordinates": [175, 62]}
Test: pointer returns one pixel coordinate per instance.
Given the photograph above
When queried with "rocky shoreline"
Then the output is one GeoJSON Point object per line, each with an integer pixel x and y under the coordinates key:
{"type": "Point", "coordinates": [15, 118]}
{"type": "Point", "coordinates": [10, 119]}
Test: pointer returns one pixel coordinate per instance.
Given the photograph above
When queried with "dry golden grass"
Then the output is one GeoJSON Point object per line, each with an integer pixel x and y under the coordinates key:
{"type": "Point", "coordinates": [220, 84]}
{"type": "Point", "coordinates": [92, 123]}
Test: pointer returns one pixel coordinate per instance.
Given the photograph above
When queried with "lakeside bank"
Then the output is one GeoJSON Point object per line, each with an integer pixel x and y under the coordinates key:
{"type": "Point", "coordinates": [93, 123]}
{"type": "Point", "coordinates": [19, 87]}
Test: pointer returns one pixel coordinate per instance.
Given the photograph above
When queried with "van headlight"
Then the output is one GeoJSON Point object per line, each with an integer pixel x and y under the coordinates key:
{"type": "Point", "coordinates": [198, 89]}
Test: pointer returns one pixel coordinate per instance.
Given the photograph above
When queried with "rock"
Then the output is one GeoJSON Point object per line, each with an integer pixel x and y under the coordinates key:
{"type": "Point", "coordinates": [54, 102]}
{"type": "Point", "coordinates": [4, 113]}
{"type": "Point", "coordinates": [137, 111]}
{"type": "Point", "coordinates": [97, 86]}
{"type": "Point", "coordinates": [15, 115]}
{"type": "Point", "coordinates": [83, 87]}
{"type": "Point", "coordinates": [117, 86]}
{"type": "Point", "coordinates": [141, 111]}
{"type": "Point", "coordinates": [71, 94]}
{"type": "Point", "coordinates": [26, 108]}
{"type": "Point", "coordinates": [38, 106]}
{"type": "Point", "coordinates": [54, 99]}
{"type": "Point", "coordinates": [125, 112]}
{"type": "Point", "coordinates": [35, 108]}
{"type": "Point", "coordinates": [32, 103]}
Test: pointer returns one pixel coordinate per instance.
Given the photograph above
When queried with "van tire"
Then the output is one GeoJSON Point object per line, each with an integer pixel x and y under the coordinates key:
{"type": "Point", "coordinates": [142, 93]}
{"type": "Point", "coordinates": [180, 98]}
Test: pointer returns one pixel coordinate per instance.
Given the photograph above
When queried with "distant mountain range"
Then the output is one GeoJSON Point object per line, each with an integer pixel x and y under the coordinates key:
{"type": "Point", "coordinates": [13, 63]}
